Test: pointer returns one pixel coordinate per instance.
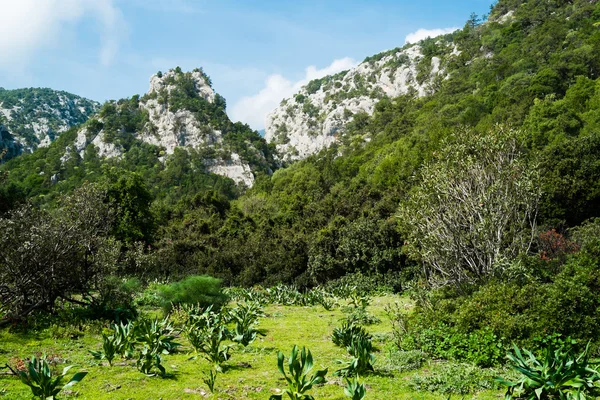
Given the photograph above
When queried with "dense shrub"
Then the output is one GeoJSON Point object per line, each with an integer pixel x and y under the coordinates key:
{"type": "Point", "coordinates": [478, 325]}
{"type": "Point", "coordinates": [202, 290]}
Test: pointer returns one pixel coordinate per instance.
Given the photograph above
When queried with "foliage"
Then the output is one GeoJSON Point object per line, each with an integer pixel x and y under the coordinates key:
{"type": "Point", "coordinates": [206, 332]}
{"type": "Point", "coordinates": [298, 380]}
{"type": "Point", "coordinates": [156, 338]}
{"type": "Point", "coordinates": [476, 206]}
{"type": "Point", "coordinates": [343, 336]}
{"type": "Point", "coordinates": [560, 374]}
{"type": "Point", "coordinates": [211, 379]}
{"type": "Point", "coordinates": [361, 351]}
{"type": "Point", "coordinates": [354, 389]}
{"type": "Point", "coordinates": [38, 376]}
{"type": "Point", "coordinates": [246, 317]}
{"type": "Point", "coordinates": [202, 290]}
{"type": "Point", "coordinates": [454, 379]}
{"type": "Point", "coordinates": [109, 349]}
{"type": "Point", "coordinates": [50, 255]}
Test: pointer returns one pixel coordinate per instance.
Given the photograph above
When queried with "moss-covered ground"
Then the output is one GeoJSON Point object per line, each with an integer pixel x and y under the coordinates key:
{"type": "Point", "coordinates": [251, 373]}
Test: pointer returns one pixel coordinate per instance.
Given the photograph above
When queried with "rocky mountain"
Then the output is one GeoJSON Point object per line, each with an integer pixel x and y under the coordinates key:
{"type": "Point", "coordinates": [315, 117]}
{"type": "Point", "coordinates": [32, 118]}
{"type": "Point", "coordinates": [180, 110]}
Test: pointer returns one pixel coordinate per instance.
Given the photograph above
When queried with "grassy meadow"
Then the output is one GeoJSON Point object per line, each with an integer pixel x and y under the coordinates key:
{"type": "Point", "coordinates": [251, 372]}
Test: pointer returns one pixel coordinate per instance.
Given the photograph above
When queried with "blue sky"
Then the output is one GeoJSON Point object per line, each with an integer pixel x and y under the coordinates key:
{"type": "Point", "coordinates": [256, 51]}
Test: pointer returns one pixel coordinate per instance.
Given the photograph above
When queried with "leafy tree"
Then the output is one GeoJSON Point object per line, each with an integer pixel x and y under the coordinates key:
{"type": "Point", "coordinates": [49, 255]}
{"type": "Point", "coordinates": [474, 207]}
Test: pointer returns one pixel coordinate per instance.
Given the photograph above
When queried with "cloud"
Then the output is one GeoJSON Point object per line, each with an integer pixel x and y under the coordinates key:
{"type": "Point", "coordinates": [29, 25]}
{"type": "Point", "coordinates": [177, 6]}
{"type": "Point", "coordinates": [253, 109]}
{"type": "Point", "coordinates": [421, 34]}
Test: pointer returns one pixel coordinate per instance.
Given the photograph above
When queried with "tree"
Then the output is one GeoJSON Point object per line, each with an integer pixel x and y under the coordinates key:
{"type": "Point", "coordinates": [49, 255]}
{"type": "Point", "coordinates": [475, 207]}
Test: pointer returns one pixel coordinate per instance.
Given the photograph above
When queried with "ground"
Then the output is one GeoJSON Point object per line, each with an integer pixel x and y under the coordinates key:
{"type": "Point", "coordinates": [251, 373]}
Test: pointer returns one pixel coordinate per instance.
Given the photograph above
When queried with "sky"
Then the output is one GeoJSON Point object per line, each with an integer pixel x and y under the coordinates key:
{"type": "Point", "coordinates": [256, 52]}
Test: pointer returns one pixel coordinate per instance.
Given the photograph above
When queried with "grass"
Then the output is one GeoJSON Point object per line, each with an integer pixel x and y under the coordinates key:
{"type": "Point", "coordinates": [251, 373]}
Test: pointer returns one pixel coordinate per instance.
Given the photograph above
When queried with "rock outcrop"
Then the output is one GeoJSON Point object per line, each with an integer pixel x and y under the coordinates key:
{"type": "Point", "coordinates": [180, 110]}
{"type": "Point", "coordinates": [34, 118]}
{"type": "Point", "coordinates": [314, 118]}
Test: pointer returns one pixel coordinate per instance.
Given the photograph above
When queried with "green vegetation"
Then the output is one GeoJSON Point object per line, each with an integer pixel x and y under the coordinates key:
{"type": "Point", "coordinates": [560, 374]}
{"type": "Point", "coordinates": [193, 290]}
{"type": "Point", "coordinates": [38, 377]}
{"type": "Point", "coordinates": [299, 382]}
{"type": "Point", "coordinates": [26, 108]}
{"type": "Point", "coordinates": [479, 203]}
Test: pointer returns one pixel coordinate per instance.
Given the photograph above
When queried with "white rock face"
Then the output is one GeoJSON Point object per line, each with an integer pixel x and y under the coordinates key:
{"type": "Point", "coordinates": [38, 116]}
{"type": "Point", "coordinates": [169, 129]}
{"type": "Point", "coordinates": [173, 129]}
{"type": "Point", "coordinates": [312, 119]}
{"type": "Point", "coordinates": [234, 168]}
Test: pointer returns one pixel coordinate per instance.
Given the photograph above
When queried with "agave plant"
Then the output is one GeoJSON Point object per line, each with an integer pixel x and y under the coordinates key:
{"type": "Point", "coordinates": [298, 380]}
{"type": "Point", "coordinates": [560, 374]}
{"type": "Point", "coordinates": [206, 332]}
{"type": "Point", "coordinates": [121, 342]}
{"type": "Point", "coordinates": [210, 379]}
{"type": "Point", "coordinates": [109, 349]}
{"type": "Point", "coordinates": [343, 336]}
{"type": "Point", "coordinates": [38, 377]}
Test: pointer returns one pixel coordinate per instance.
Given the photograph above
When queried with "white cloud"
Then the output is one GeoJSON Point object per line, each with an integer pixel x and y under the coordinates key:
{"type": "Point", "coordinates": [421, 34]}
{"type": "Point", "coordinates": [253, 109]}
{"type": "Point", "coordinates": [28, 25]}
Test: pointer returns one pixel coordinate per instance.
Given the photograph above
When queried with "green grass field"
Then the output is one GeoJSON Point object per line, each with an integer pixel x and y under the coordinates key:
{"type": "Point", "coordinates": [251, 373]}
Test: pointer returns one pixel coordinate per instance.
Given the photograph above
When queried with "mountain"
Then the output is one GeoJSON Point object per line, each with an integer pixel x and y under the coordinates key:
{"type": "Point", "coordinates": [532, 67]}
{"type": "Point", "coordinates": [180, 110]}
{"type": "Point", "coordinates": [32, 118]}
{"type": "Point", "coordinates": [316, 116]}
{"type": "Point", "coordinates": [177, 137]}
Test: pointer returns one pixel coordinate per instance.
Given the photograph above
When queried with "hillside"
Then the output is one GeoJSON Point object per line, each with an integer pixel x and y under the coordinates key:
{"type": "Point", "coordinates": [315, 117]}
{"type": "Point", "coordinates": [32, 118]}
{"type": "Point", "coordinates": [470, 185]}
{"type": "Point", "coordinates": [177, 136]}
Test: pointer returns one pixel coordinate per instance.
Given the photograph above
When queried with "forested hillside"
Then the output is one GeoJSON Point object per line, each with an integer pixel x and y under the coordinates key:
{"type": "Point", "coordinates": [466, 199]}
{"type": "Point", "coordinates": [492, 174]}
{"type": "Point", "coordinates": [32, 118]}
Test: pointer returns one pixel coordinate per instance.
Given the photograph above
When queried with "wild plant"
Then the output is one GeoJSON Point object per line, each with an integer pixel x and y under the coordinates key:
{"type": "Point", "coordinates": [124, 335]}
{"type": "Point", "coordinates": [343, 336]}
{"type": "Point", "coordinates": [121, 343]}
{"type": "Point", "coordinates": [361, 350]}
{"type": "Point", "coordinates": [43, 385]}
{"type": "Point", "coordinates": [109, 349]}
{"type": "Point", "coordinates": [358, 300]}
{"type": "Point", "coordinates": [246, 317]}
{"type": "Point", "coordinates": [561, 374]}
{"type": "Point", "coordinates": [354, 389]}
{"type": "Point", "coordinates": [211, 379]}
{"type": "Point", "coordinates": [298, 380]}
{"type": "Point", "coordinates": [157, 338]}
{"type": "Point", "coordinates": [206, 333]}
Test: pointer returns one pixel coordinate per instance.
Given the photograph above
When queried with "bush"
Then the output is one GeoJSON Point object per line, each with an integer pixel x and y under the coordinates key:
{"type": "Point", "coordinates": [475, 326]}
{"type": "Point", "coordinates": [202, 290]}
{"type": "Point", "coordinates": [115, 300]}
